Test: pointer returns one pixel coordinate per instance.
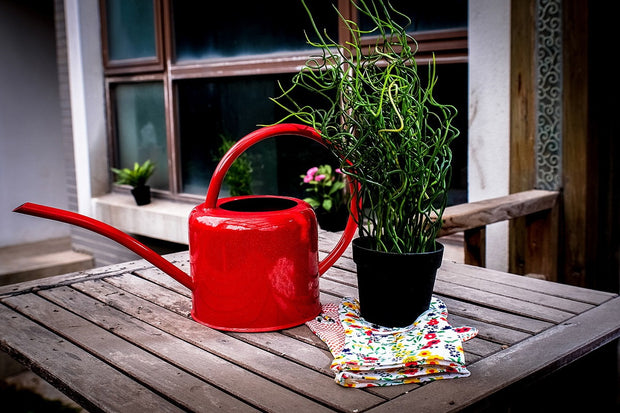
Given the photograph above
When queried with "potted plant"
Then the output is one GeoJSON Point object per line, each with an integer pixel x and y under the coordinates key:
{"type": "Point", "coordinates": [381, 119]}
{"type": "Point", "coordinates": [327, 195]}
{"type": "Point", "coordinates": [137, 178]}
{"type": "Point", "coordinates": [239, 175]}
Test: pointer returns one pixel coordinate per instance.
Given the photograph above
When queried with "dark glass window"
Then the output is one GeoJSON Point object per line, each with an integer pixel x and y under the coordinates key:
{"type": "Point", "coordinates": [217, 71]}
{"type": "Point", "coordinates": [209, 109]}
{"type": "Point", "coordinates": [427, 15]}
{"type": "Point", "coordinates": [131, 29]}
{"type": "Point", "coordinates": [202, 31]}
{"type": "Point", "coordinates": [141, 128]}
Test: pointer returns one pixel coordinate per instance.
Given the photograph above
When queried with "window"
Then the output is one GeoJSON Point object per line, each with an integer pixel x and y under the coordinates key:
{"type": "Point", "coordinates": [132, 39]}
{"type": "Point", "coordinates": [181, 76]}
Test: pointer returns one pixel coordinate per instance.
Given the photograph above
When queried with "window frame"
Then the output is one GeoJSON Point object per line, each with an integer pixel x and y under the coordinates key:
{"type": "Point", "coordinates": [447, 45]}
{"type": "Point", "coordinates": [137, 65]}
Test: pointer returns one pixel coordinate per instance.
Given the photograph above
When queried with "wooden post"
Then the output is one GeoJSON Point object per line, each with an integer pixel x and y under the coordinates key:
{"type": "Point", "coordinates": [475, 246]}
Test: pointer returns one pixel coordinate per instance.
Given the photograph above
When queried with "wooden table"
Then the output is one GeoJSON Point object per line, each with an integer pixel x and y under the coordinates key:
{"type": "Point", "coordinates": [119, 338]}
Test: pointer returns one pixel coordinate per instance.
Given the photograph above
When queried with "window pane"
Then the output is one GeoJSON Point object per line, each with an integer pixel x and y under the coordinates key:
{"type": "Point", "coordinates": [131, 29]}
{"type": "Point", "coordinates": [428, 15]}
{"type": "Point", "coordinates": [244, 28]}
{"type": "Point", "coordinates": [233, 107]}
{"type": "Point", "coordinates": [141, 128]}
{"type": "Point", "coordinates": [451, 89]}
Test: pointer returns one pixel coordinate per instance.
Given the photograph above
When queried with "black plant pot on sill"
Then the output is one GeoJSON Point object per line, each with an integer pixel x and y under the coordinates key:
{"type": "Point", "coordinates": [333, 221]}
{"type": "Point", "coordinates": [394, 289]}
{"type": "Point", "coordinates": [142, 194]}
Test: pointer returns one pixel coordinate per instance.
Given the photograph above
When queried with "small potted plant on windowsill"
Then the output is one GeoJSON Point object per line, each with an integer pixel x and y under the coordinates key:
{"type": "Point", "coordinates": [239, 175]}
{"type": "Point", "coordinates": [381, 119]}
{"type": "Point", "coordinates": [327, 195]}
{"type": "Point", "coordinates": [137, 178]}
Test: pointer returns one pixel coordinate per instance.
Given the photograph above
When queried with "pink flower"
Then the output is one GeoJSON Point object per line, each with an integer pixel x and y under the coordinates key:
{"type": "Point", "coordinates": [310, 174]}
{"type": "Point", "coordinates": [319, 178]}
{"type": "Point", "coordinates": [338, 171]}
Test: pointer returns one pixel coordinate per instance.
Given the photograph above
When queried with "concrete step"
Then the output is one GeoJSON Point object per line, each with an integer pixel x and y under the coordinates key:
{"type": "Point", "coordinates": [41, 259]}
{"type": "Point", "coordinates": [27, 381]}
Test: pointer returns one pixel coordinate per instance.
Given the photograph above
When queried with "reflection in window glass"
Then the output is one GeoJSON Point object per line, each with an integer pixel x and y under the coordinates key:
{"type": "Point", "coordinates": [131, 29]}
{"type": "Point", "coordinates": [451, 88]}
{"type": "Point", "coordinates": [428, 15]}
{"type": "Point", "coordinates": [233, 107]}
{"type": "Point", "coordinates": [141, 128]}
{"type": "Point", "coordinates": [233, 29]}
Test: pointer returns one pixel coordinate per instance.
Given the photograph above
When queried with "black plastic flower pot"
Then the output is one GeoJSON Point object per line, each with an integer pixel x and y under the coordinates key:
{"type": "Point", "coordinates": [142, 194]}
{"type": "Point", "coordinates": [394, 289]}
{"type": "Point", "coordinates": [333, 221]}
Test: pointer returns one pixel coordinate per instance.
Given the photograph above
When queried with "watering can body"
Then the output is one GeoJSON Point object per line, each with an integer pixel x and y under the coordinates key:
{"type": "Point", "coordinates": [254, 261]}
{"type": "Point", "coordinates": [254, 269]}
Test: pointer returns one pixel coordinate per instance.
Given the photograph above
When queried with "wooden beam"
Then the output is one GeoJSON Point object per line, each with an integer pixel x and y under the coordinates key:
{"type": "Point", "coordinates": [459, 218]}
{"type": "Point", "coordinates": [522, 121]}
{"type": "Point", "coordinates": [578, 221]}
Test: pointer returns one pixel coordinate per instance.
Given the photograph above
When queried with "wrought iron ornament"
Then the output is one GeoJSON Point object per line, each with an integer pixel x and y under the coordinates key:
{"type": "Point", "coordinates": [549, 94]}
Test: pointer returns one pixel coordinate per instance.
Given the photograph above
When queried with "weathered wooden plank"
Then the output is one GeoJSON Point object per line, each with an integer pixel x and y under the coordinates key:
{"type": "Point", "coordinates": [557, 289]}
{"type": "Point", "coordinates": [526, 295]}
{"type": "Point", "coordinates": [144, 306]}
{"type": "Point", "coordinates": [548, 351]}
{"type": "Point", "coordinates": [491, 332]}
{"type": "Point", "coordinates": [337, 289]}
{"type": "Point", "coordinates": [480, 347]}
{"type": "Point", "coordinates": [328, 240]}
{"type": "Point", "coordinates": [496, 317]}
{"type": "Point", "coordinates": [500, 302]}
{"type": "Point", "coordinates": [177, 385]}
{"type": "Point", "coordinates": [66, 279]}
{"type": "Point", "coordinates": [346, 263]}
{"type": "Point", "coordinates": [303, 333]}
{"type": "Point", "coordinates": [243, 384]}
{"type": "Point", "coordinates": [341, 276]}
{"type": "Point", "coordinates": [89, 381]}
{"type": "Point", "coordinates": [159, 277]}
{"type": "Point", "coordinates": [288, 347]}
{"type": "Point", "coordinates": [459, 218]}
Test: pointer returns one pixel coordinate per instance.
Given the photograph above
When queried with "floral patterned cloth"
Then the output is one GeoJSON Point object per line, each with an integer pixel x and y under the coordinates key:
{"type": "Point", "coordinates": [366, 354]}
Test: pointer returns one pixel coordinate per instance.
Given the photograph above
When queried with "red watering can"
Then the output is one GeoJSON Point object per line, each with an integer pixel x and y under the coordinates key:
{"type": "Point", "coordinates": [253, 259]}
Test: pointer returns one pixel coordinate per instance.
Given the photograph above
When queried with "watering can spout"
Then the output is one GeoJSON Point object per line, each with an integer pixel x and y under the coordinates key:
{"type": "Point", "coordinates": [106, 230]}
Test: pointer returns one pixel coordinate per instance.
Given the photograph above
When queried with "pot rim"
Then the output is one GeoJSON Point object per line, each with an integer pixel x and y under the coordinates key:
{"type": "Point", "coordinates": [362, 244]}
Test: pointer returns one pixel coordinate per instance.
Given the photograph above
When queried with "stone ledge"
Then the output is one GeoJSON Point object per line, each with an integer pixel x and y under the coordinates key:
{"type": "Point", "coordinates": [161, 219]}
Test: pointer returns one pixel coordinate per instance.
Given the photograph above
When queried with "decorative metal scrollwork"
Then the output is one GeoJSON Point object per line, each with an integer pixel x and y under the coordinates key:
{"type": "Point", "coordinates": [549, 95]}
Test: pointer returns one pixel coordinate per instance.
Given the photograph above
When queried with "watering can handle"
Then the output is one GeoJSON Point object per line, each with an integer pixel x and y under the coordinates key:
{"type": "Point", "coordinates": [268, 132]}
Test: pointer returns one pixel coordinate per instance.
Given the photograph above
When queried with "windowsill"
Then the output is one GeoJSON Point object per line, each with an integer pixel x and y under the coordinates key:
{"type": "Point", "coordinates": [161, 219]}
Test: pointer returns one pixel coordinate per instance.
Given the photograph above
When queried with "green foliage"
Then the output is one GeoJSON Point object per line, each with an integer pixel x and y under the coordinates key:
{"type": "Point", "coordinates": [325, 188]}
{"type": "Point", "coordinates": [390, 133]}
{"type": "Point", "coordinates": [239, 175]}
{"type": "Point", "coordinates": [136, 176]}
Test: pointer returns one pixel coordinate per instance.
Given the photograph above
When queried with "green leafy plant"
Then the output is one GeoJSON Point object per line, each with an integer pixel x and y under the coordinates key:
{"type": "Point", "coordinates": [325, 187]}
{"type": "Point", "coordinates": [137, 176]}
{"type": "Point", "coordinates": [383, 122]}
{"type": "Point", "coordinates": [239, 175]}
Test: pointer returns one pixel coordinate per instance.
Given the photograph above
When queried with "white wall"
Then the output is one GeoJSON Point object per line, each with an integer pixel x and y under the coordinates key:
{"type": "Point", "coordinates": [31, 153]}
{"type": "Point", "coordinates": [87, 100]}
{"type": "Point", "coordinates": [489, 114]}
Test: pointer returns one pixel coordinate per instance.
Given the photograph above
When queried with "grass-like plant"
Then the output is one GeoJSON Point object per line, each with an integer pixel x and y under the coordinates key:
{"type": "Point", "coordinates": [382, 120]}
{"type": "Point", "coordinates": [137, 176]}
{"type": "Point", "coordinates": [239, 175]}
